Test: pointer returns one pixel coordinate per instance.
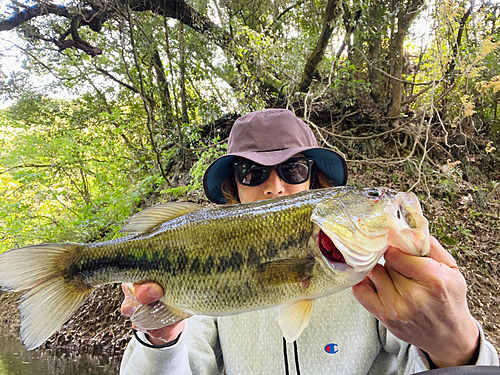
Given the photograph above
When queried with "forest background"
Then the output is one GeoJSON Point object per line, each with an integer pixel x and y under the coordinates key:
{"type": "Point", "coordinates": [121, 104]}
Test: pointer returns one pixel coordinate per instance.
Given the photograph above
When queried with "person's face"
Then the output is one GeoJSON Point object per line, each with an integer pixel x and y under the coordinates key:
{"type": "Point", "coordinates": [273, 187]}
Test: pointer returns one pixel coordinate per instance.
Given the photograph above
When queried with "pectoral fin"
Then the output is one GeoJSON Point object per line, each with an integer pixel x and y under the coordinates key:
{"type": "Point", "coordinates": [157, 315]}
{"type": "Point", "coordinates": [285, 271]}
{"type": "Point", "coordinates": [294, 317]}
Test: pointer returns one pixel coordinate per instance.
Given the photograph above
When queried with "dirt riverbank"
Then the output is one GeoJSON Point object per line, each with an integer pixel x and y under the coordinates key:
{"type": "Point", "coordinates": [465, 222]}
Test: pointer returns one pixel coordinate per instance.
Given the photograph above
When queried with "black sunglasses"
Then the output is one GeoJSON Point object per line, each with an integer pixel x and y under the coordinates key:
{"type": "Point", "coordinates": [293, 171]}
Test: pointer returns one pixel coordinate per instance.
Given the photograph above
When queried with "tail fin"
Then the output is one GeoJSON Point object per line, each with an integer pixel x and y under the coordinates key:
{"type": "Point", "coordinates": [53, 294]}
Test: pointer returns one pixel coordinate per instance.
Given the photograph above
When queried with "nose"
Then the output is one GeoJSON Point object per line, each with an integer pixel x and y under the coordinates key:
{"type": "Point", "coordinates": [274, 185]}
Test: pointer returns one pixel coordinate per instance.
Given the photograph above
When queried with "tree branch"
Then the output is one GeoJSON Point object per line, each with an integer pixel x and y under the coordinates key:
{"type": "Point", "coordinates": [450, 72]}
{"type": "Point", "coordinates": [89, 17]}
{"type": "Point", "coordinates": [287, 10]}
{"type": "Point", "coordinates": [185, 13]}
{"type": "Point", "coordinates": [96, 13]}
{"type": "Point", "coordinates": [331, 15]}
{"type": "Point", "coordinates": [108, 74]}
{"type": "Point", "coordinates": [373, 66]}
{"type": "Point", "coordinates": [20, 17]}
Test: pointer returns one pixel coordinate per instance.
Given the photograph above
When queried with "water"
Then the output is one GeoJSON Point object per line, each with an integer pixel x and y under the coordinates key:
{"type": "Point", "coordinates": [15, 359]}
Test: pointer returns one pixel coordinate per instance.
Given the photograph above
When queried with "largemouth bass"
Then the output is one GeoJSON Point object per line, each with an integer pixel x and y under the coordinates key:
{"type": "Point", "coordinates": [283, 252]}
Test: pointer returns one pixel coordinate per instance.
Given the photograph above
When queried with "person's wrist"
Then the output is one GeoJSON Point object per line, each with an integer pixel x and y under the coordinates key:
{"type": "Point", "coordinates": [163, 340]}
{"type": "Point", "coordinates": [466, 350]}
{"type": "Point", "coordinates": [151, 342]}
{"type": "Point", "coordinates": [165, 335]}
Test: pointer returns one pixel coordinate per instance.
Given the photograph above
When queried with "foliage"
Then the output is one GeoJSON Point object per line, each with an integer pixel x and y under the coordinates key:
{"type": "Point", "coordinates": [204, 160]}
{"type": "Point", "coordinates": [65, 175]}
{"type": "Point", "coordinates": [74, 169]}
{"type": "Point", "coordinates": [197, 171]}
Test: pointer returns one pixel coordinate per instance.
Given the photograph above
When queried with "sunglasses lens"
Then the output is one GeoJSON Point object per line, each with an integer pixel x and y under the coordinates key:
{"type": "Point", "coordinates": [252, 174]}
{"type": "Point", "coordinates": [295, 172]}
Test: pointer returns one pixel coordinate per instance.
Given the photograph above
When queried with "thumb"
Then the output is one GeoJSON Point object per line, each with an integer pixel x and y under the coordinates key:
{"type": "Point", "coordinates": [439, 253]}
{"type": "Point", "coordinates": [148, 293]}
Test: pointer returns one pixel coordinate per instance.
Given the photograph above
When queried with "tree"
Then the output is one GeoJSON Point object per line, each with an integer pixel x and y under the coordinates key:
{"type": "Point", "coordinates": [190, 62]}
{"type": "Point", "coordinates": [152, 78]}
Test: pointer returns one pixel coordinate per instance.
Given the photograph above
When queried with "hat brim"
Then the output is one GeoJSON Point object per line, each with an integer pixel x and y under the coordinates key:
{"type": "Point", "coordinates": [329, 162]}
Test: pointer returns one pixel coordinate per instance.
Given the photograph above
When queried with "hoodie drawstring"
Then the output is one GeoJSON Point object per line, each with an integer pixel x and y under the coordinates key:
{"type": "Point", "coordinates": [296, 353]}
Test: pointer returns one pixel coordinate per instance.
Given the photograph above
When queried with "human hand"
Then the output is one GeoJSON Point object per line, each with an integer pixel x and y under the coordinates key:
{"type": "Point", "coordinates": [422, 301]}
{"type": "Point", "coordinates": [143, 294]}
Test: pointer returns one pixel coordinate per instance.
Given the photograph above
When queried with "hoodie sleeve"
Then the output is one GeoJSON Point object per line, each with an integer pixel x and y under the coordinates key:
{"type": "Point", "coordinates": [398, 357]}
{"type": "Point", "coordinates": [197, 351]}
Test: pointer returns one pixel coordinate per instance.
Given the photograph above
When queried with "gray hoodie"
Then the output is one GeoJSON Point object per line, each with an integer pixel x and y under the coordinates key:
{"type": "Point", "coordinates": [341, 338]}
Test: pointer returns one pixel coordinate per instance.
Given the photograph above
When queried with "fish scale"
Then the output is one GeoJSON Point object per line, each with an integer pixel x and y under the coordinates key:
{"type": "Point", "coordinates": [220, 261]}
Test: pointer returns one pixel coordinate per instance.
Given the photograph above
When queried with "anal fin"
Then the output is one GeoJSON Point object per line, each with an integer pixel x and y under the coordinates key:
{"type": "Point", "coordinates": [294, 317]}
{"type": "Point", "coordinates": [157, 315]}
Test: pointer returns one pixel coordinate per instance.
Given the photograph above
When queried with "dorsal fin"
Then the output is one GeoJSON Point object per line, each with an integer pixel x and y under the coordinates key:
{"type": "Point", "coordinates": [151, 217]}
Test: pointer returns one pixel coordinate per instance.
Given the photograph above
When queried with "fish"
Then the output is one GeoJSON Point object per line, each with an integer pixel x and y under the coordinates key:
{"type": "Point", "coordinates": [284, 252]}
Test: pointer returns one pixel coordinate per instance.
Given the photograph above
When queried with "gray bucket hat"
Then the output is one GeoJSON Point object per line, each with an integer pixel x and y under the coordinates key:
{"type": "Point", "coordinates": [270, 137]}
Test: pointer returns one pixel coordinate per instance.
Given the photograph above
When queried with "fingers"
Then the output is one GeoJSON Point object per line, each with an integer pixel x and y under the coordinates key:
{"type": "Point", "coordinates": [139, 294]}
{"type": "Point", "coordinates": [368, 292]}
{"type": "Point", "coordinates": [422, 269]}
{"type": "Point", "coordinates": [439, 254]}
{"type": "Point", "coordinates": [422, 301]}
{"type": "Point", "coordinates": [148, 293]}
{"type": "Point", "coordinates": [143, 294]}
{"type": "Point", "coordinates": [129, 304]}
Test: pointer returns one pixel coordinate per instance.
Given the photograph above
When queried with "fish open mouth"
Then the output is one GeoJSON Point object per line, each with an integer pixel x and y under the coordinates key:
{"type": "Point", "coordinates": [328, 249]}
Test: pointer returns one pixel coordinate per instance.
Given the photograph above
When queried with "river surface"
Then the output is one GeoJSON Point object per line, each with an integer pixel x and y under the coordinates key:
{"type": "Point", "coordinates": [15, 359]}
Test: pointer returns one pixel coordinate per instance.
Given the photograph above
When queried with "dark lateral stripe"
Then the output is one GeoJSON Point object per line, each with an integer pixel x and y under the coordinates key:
{"type": "Point", "coordinates": [234, 262]}
{"type": "Point", "coordinates": [90, 266]}
{"type": "Point", "coordinates": [182, 263]}
{"type": "Point", "coordinates": [299, 240]}
{"type": "Point", "coordinates": [223, 264]}
{"type": "Point", "coordinates": [209, 265]}
{"type": "Point", "coordinates": [271, 250]}
{"type": "Point", "coordinates": [253, 257]}
{"type": "Point", "coordinates": [195, 266]}
{"type": "Point", "coordinates": [119, 263]}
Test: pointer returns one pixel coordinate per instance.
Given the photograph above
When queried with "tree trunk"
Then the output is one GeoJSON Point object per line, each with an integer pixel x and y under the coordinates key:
{"type": "Point", "coordinates": [162, 83]}
{"type": "Point", "coordinates": [377, 82]}
{"type": "Point", "coordinates": [405, 18]}
{"type": "Point", "coordinates": [182, 68]}
{"type": "Point", "coordinates": [331, 15]}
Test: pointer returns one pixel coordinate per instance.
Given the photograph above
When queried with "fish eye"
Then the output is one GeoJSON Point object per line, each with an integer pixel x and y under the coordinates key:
{"type": "Point", "coordinates": [374, 193]}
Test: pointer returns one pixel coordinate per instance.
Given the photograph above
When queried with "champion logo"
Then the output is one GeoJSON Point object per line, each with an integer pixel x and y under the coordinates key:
{"type": "Point", "coordinates": [331, 348]}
